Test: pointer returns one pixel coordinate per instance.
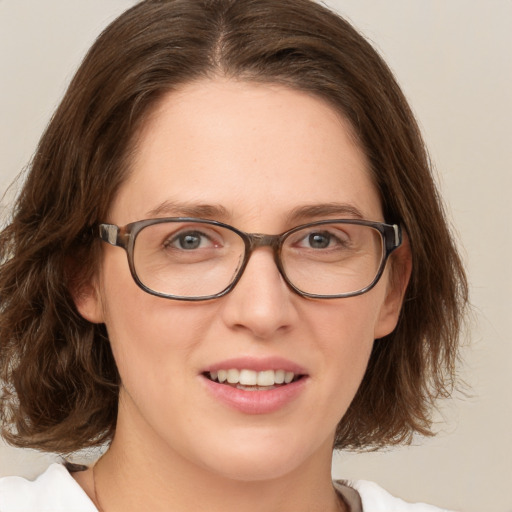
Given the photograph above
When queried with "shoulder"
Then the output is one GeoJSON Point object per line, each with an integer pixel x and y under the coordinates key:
{"type": "Point", "coordinates": [375, 499]}
{"type": "Point", "coordinates": [55, 490]}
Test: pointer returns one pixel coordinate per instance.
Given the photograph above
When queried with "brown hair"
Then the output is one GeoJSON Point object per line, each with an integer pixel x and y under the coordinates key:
{"type": "Point", "coordinates": [61, 382]}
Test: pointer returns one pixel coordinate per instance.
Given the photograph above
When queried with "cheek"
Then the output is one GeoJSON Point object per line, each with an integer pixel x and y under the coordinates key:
{"type": "Point", "coordinates": [143, 333]}
{"type": "Point", "coordinates": [345, 335]}
{"type": "Point", "coordinates": [347, 325]}
{"type": "Point", "coordinates": [150, 337]}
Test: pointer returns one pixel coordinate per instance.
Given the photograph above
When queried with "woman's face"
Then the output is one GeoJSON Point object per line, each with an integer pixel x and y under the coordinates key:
{"type": "Point", "coordinates": [257, 157]}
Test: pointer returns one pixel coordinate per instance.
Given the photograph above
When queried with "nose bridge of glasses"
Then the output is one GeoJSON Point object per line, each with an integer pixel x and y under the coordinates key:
{"type": "Point", "coordinates": [261, 240]}
{"type": "Point", "coordinates": [256, 240]}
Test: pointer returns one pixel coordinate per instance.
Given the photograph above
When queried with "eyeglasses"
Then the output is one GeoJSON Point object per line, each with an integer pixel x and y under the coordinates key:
{"type": "Point", "coordinates": [193, 259]}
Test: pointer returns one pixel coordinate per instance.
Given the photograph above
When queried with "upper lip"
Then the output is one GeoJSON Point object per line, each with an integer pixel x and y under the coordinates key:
{"type": "Point", "coordinates": [258, 364]}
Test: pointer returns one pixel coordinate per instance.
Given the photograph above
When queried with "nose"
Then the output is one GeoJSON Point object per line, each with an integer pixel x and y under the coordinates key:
{"type": "Point", "coordinates": [261, 302]}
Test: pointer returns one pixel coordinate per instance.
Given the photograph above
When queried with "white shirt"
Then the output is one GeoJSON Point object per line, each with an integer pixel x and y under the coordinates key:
{"type": "Point", "coordinates": [53, 491]}
{"type": "Point", "coordinates": [375, 499]}
{"type": "Point", "coordinates": [56, 491]}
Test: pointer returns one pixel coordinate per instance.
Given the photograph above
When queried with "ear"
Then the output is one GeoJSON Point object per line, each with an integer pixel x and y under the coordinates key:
{"type": "Point", "coordinates": [87, 298]}
{"type": "Point", "coordinates": [399, 274]}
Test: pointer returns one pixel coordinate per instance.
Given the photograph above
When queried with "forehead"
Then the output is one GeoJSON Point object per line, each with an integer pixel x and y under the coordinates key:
{"type": "Point", "coordinates": [255, 150]}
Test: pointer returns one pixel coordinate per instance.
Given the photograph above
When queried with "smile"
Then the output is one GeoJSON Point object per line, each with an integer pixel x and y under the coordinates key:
{"type": "Point", "coordinates": [251, 380]}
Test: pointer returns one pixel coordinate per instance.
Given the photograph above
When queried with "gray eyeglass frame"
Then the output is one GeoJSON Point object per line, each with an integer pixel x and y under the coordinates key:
{"type": "Point", "coordinates": [125, 236]}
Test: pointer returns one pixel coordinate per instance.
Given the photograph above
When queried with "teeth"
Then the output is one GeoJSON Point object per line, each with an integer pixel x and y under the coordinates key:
{"type": "Point", "coordinates": [252, 378]}
{"type": "Point", "coordinates": [266, 378]}
{"type": "Point", "coordinates": [279, 376]}
{"type": "Point", "coordinates": [248, 378]}
{"type": "Point", "coordinates": [233, 376]}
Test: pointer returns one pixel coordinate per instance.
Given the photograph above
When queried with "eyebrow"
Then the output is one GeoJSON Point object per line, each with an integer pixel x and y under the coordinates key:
{"type": "Point", "coordinates": [185, 209]}
{"type": "Point", "coordinates": [218, 212]}
{"type": "Point", "coordinates": [308, 212]}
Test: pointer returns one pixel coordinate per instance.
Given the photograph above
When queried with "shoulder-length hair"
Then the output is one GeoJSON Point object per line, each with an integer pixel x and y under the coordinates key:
{"type": "Point", "coordinates": [60, 379]}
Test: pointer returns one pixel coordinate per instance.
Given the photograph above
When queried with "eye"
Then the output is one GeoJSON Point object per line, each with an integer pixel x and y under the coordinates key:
{"type": "Point", "coordinates": [189, 240]}
{"type": "Point", "coordinates": [322, 239]}
{"type": "Point", "coordinates": [319, 240]}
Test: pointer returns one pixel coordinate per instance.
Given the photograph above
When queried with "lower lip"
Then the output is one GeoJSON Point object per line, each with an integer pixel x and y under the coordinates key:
{"type": "Point", "coordinates": [256, 402]}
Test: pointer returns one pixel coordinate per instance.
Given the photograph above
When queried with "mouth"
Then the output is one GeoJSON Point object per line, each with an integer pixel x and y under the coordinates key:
{"type": "Point", "coordinates": [251, 380]}
{"type": "Point", "coordinates": [255, 385]}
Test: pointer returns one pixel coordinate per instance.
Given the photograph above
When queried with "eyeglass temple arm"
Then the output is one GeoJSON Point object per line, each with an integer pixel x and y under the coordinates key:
{"type": "Point", "coordinates": [396, 241]}
{"type": "Point", "coordinates": [111, 234]}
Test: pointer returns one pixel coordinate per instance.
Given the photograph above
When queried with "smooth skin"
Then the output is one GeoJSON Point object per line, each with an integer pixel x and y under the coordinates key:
{"type": "Point", "coordinates": [256, 156]}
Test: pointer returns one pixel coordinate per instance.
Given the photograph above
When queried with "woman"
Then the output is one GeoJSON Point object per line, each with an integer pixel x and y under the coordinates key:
{"type": "Point", "coordinates": [228, 258]}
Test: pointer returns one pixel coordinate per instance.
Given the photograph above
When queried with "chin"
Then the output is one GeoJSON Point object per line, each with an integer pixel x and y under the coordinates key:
{"type": "Point", "coordinates": [249, 470]}
{"type": "Point", "coordinates": [259, 460]}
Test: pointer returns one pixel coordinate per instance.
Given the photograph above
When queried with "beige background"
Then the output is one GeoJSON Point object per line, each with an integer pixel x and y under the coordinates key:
{"type": "Point", "coordinates": [454, 61]}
